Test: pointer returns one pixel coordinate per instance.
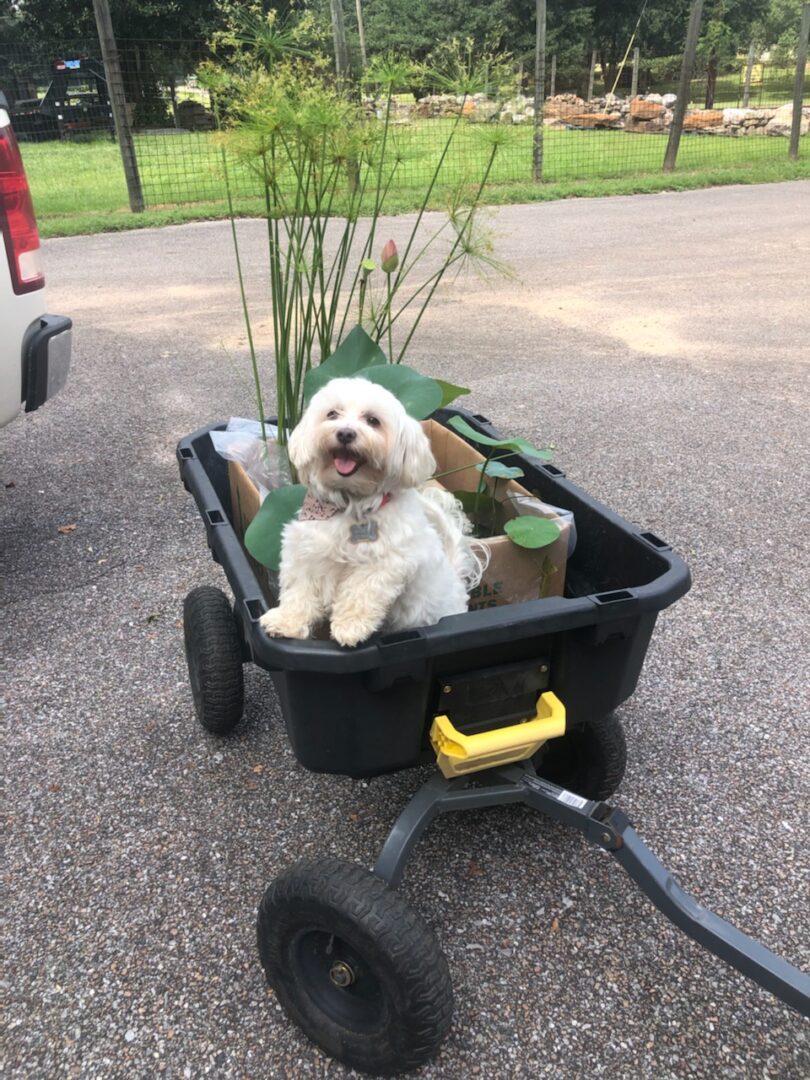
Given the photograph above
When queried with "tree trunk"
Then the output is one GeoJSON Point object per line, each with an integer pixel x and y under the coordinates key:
{"type": "Point", "coordinates": [339, 34]}
{"type": "Point", "coordinates": [608, 73]}
{"type": "Point", "coordinates": [361, 30]}
{"type": "Point", "coordinates": [592, 69]}
{"type": "Point", "coordinates": [749, 69]}
{"type": "Point", "coordinates": [711, 80]}
{"type": "Point", "coordinates": [173, 97]}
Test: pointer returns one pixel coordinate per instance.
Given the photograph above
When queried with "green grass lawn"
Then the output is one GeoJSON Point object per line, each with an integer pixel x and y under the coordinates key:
{"type": "Point", "coordinates": [769, 87]}
{"type": "Point", "coordinates": [79, 187]}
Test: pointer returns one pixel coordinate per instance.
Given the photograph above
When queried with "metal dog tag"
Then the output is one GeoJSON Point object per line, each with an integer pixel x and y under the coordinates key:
{"type": "Point", "coordinates": [365, 531]}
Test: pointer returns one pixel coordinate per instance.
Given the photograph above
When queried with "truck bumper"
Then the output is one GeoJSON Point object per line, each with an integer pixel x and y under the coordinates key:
{"type": "Point", "coordinates": [46, 359]}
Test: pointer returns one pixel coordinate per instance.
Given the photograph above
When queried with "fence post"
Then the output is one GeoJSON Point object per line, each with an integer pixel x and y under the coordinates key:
{"type": "Point", "coordinates": [539, 89]}
{"type": "Point", "coordinates": [118, 103]}
{"type": "Point", "coordinates": [552, 84]}
{"type": "Point", "coordinates": [687, 65]}
{"type": "Point", "coordinates": [749, 68]}
{"type": "Point", "coordinates": [591, 74]}
{"type": "Point", "coordinates": [634, 80]}
{"type": "Point", "coordinates": [798, 89]}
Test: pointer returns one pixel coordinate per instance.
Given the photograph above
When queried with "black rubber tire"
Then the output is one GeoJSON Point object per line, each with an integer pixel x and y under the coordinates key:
{"type": "Point", "coordinates": [589, 760]}
{"type": "Point", "coordinates": [214, 656]}
{"type": "Point", "coordinates": [325, 915]}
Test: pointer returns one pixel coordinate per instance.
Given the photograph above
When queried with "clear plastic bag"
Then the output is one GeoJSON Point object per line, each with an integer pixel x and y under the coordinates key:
{"type": "Point", "coordinates": [265, 461]}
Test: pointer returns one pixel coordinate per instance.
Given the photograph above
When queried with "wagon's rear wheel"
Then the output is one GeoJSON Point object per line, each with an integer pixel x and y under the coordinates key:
{"type": "Point", "coordinates": [589, 760]}
{"type": "Point", "coordinates": [214, 655]}
{"type": "Point", "coordinates": [354, 966]}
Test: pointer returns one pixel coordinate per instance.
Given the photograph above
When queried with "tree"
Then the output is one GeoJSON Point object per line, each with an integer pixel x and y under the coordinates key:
{"type": "Point", "coordinates": [727, 29]}
{"type": "Point", "coordinates": [778, 29]}
{"type": "Point", "coordinates": [9, 21]}
{"type": "Point", "coordinates": [158, 42]}
{"type": "Point", "coordinates": [67, 20]}
{"type": "Point", "coordinates": [416, 27]}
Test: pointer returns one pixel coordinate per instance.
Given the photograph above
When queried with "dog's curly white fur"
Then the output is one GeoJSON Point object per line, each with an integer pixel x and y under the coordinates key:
{"type": "Point", "coordinates": [384, 553]}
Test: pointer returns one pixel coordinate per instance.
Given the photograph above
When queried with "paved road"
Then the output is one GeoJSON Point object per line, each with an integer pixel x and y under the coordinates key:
{"type": "Point", "coordinates": [661, 342]}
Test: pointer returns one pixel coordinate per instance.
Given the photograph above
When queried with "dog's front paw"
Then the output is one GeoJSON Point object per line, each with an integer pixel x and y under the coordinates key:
{"type": "Point", "coordinates": [280, 623]}
{"type": "Point", "coordinates": [346, 632]}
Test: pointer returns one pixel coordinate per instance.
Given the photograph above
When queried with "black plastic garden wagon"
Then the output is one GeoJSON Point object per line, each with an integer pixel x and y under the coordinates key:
{"type": "Point", "coordinates": [351, 962]}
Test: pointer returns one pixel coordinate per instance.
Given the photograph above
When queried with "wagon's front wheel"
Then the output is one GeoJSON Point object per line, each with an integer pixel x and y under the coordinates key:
{"type": "Point", "coordinates": [589, 759]}
{"type": "Point", "coordinates": [214, 656]}
{"type": "Point", "coordinates": [354, 966]}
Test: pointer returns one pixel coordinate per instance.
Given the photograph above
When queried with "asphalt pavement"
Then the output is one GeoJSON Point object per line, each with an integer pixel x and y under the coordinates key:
{"type": "Point", "coordinates": [662, 344]}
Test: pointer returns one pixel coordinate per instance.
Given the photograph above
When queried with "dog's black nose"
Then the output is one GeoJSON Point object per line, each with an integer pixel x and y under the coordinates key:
{"type": "Point", "coordinates": [346, 436]}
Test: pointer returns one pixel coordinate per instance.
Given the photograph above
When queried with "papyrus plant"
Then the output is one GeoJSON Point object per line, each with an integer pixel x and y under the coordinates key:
{"type": "Point", "coordinates": [326, 166]}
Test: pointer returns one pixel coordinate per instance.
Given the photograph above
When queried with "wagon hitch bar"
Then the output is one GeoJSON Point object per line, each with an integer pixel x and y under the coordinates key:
{"type": "Point", "coordinates": [611, 830]}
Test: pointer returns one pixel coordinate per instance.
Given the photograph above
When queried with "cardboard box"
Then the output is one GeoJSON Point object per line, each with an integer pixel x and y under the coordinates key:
{"type": "Point", "coordinates": [514, 574]}
{"type": "Point", "coordinates": [245, 503]}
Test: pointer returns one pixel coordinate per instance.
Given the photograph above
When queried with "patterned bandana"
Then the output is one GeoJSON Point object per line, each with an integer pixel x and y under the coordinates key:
{"type": "Point", "coordinates": [313, 509]}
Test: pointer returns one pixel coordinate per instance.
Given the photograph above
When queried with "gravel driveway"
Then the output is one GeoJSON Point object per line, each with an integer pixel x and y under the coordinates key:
{"type": "Point", "coordinates": [662, 344]}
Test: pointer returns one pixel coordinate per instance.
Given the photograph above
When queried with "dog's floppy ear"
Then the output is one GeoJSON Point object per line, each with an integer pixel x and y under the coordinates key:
{"type": "Point", "coordinates": [301, 446]}
{"type": "Point", "coordinates": [412, 461]}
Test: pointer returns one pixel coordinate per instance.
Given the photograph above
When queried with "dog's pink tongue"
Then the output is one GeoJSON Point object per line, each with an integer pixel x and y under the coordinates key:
{"type": "Point", "coordinates": [345, 466]}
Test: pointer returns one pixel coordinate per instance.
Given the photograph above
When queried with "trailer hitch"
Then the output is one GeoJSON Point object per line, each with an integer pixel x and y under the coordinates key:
{"type": "Point", "coordinates": [611, 830]}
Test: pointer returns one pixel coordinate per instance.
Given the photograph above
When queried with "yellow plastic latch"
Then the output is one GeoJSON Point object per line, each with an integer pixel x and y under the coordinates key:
{"type": "Point", "coordinates": [458, 754]}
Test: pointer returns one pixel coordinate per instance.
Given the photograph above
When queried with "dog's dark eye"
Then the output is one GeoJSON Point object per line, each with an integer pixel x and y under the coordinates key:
{"type": "Point", "coordinates": [372, 421]}
{"type": "Point", "coordinates": [332, 414]}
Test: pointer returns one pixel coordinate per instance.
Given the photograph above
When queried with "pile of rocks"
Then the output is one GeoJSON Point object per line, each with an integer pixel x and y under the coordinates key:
{"type": "Point", "coordinates": [517, 110]}
{"type": "Point", "coordinates": [401, 107]}
{"type": "Point", "coordinates": [477, 107]}
{"type": "Point", "coordinates": [764, 121]}
{"type": "Point", "coordinates": [434, 107]}
{"type": "Point", "coordinates": [653, 113]}
{"type": "Point", "coordinates": [650, 113]}
{"type": "Point", "coordinates": [646, 113]}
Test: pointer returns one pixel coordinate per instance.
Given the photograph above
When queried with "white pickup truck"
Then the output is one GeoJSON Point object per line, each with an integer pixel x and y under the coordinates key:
{"type": "Point", "coordinates": [34, 346]}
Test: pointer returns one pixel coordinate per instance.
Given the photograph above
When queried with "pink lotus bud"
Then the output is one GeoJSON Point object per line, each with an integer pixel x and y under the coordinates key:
{"type": "Point", "coordinates": [389, 260]}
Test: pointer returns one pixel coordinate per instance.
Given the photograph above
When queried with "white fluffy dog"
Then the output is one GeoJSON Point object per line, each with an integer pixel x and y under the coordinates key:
{"type": "Point", "coordinates": [369, 551]}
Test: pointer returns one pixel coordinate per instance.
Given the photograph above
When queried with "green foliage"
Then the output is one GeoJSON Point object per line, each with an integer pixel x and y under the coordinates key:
{"type": "Point", "coordinates": [415, 26]}
{"type": "Point", "coordinates": [313, 149]}
{"type": "Point", "coordinates": [515, 443]}
{"type": "Point", "coordinates": [483, 506]}
{"type": "Point", "coordinates": [187, 23]}
{"type": "Point", "coordinates": [393, 71]}
{"type": "Point", "coordinates": [450, 391]}
{"type": "Point", "coordinates": [499, 470]}
{"type": "Point", "coordinates": [526, 530]}
{"type": "Point", "coordinates": [263, 535]}
{"type": "Point", "coordinates": [356, 352]}
{"type": "Point", "coordinates": [419, 395]}
{"type": "Point", "coordinates": [10, 21]}
{"type": "Point", "coordinates": [778, 28]}
{"type": "Point", "coordinates": [459, 66]}
{"type": "Point", "coordinates": [478, 505]}
{"type": "Point", "coordinates": [265, 37]}
{"type": "Point", "coordinates": [359, 355]}
{"type": "Point", "coordinates": [531, 532]}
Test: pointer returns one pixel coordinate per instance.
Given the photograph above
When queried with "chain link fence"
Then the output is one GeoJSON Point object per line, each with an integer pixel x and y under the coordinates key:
{"type": "Point", "coordinates": [594, 125]}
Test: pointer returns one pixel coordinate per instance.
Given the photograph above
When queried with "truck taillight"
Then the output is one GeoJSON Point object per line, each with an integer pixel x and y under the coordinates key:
{"type": "Point", "coordinates": [17, 220]}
